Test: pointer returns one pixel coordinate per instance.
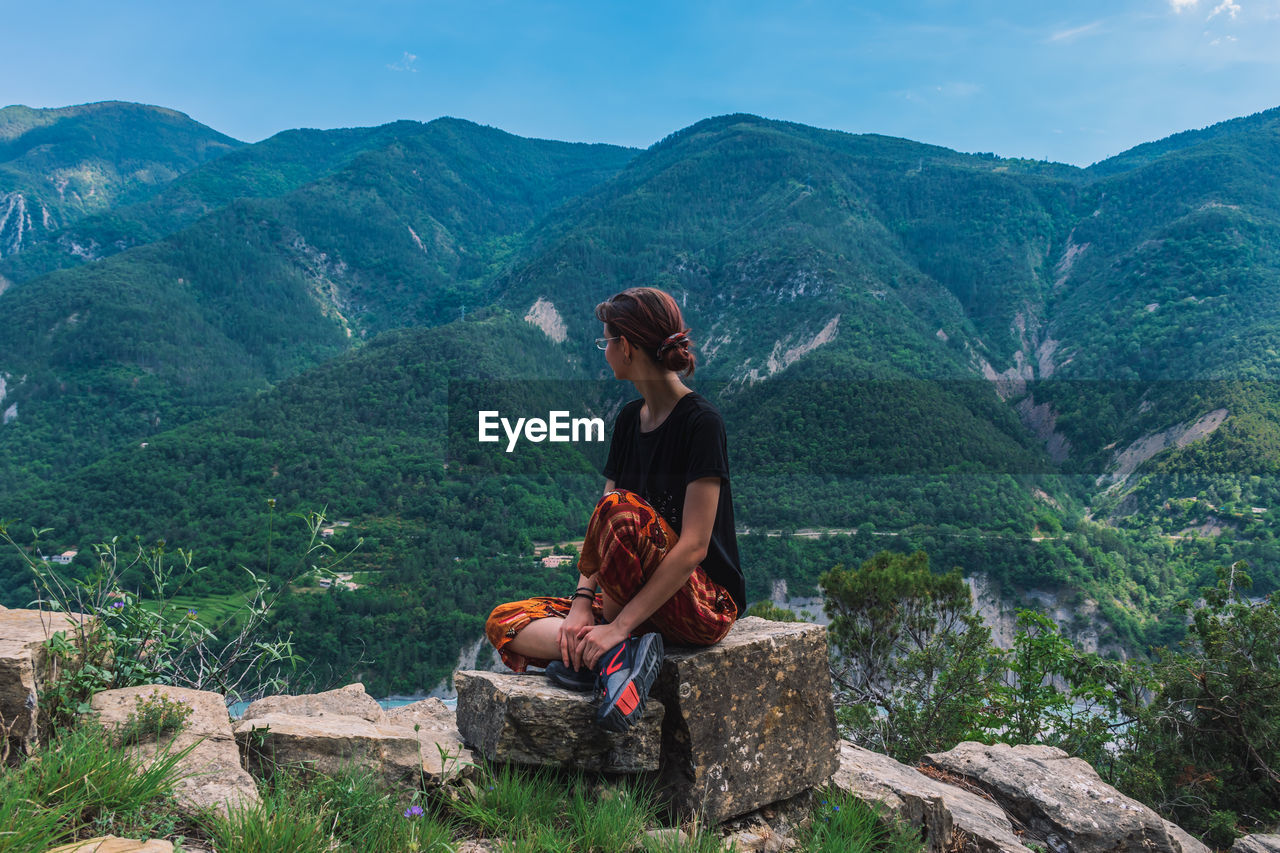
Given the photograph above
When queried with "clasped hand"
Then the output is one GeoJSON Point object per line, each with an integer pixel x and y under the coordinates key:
{"type": "Point", "coordinates": [582, 642]}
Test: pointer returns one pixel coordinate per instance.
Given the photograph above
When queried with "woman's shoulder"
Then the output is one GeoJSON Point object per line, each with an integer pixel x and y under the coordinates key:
{"type": "Point", "coordinates": [699, 411]}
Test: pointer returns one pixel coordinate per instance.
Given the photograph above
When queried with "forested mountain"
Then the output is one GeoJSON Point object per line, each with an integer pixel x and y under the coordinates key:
{"type": "Point", "coordinates": [58, 165]}
{"type": "Point", "coordinates": [405, 233]}
{"type": "Point", "coordinates": [1056, 377]}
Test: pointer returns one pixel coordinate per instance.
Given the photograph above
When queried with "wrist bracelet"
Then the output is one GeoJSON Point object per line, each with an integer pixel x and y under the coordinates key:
{"type": "Point", "coordinates": [587, 590]}
{"type": "Point", "coordinates": [588, 595]}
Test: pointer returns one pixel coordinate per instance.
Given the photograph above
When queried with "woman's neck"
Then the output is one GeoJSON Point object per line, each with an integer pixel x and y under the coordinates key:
{"type": "Point", "coordinates": [660, 396]}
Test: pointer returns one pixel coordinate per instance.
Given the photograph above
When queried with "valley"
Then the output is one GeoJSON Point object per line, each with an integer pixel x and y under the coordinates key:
{"type": "Point", "coordinates": [1060, 380]}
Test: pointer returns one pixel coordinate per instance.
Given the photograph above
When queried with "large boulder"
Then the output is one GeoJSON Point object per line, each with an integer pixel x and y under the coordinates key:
{"type": "Point", "coordinates": [329, 744]}
{"type": "Point", "coordinates": [211, 775]}
{"type": "Point", "coordinates": [749, 721]}
{"type": "Point", "coordinates": [1063, 801]}
{"type": "Point", "coordinates": [349, 701]}
{"type": "Point", "coordinates": [949, 818]}
{"type": "Point", "coordinates": [24, 666]}
{"type": "Point", "coordinates": [435, 726]}
{"type": "Point", "coordinates": [1257, 844]}
{"type": "Point", "coordinates": [525, 719]}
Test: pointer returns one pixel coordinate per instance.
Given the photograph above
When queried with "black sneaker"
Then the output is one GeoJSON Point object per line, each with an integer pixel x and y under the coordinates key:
{"type": "Point", "coordinates": [581, 680]}
{"type": "Point", "coordinates": [623, 677]}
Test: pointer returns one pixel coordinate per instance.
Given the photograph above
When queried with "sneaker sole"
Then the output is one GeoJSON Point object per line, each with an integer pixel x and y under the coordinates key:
{"type": "Point", "coordinates": [627, 707]}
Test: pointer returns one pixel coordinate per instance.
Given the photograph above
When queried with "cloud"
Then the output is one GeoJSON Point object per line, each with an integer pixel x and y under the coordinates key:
{"type": "Point", "coordinates": [958, 89]}
{"type": "Point", "coordinates": [1068, 35]}
{"type": "Point", "coordinates": [1229, 6]}
{"type": "Point", "coordinates": [1179, 5]}
{"type": "Point", "coordinates": [407, 62]}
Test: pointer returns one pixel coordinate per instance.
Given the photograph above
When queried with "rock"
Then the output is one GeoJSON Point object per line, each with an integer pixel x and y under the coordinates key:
{"type": "Point", "coordinates": [1063, 801]}
{"type": "Point", "coordinates": [749, 721]}
{"type": "Point", "coordinates": [443, 753]}
{"type": "Point", "coordinates": [330, 744]}
{"type": "Point", "coordinates": [949, 818]}
{"type": "Point", "coordinates": [525, 719]}
{"type": "Point", "coordinates": [771, 828]}
{"type": "Point", "coordinates": [111, 844]}
{"type": "Point", "coordinates": [1257, 844]}
{"type": "Point", "coordinates": [349, 701]}
{"type": "Point", "coordinates": [24, 664]}
{"type": "Point", "coordinates": [212, 775]}
{"type": "Point", "coordinates": [667, 838]}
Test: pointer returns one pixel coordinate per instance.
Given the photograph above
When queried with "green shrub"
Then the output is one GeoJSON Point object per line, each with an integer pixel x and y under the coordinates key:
{"type": "Point", "coordinates": [153, 715]}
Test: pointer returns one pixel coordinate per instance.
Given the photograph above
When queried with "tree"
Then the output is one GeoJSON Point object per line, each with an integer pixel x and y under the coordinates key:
{"type": "Point", "coordinates": [1206, 750]}
{"type": "Point", "coordinates": [914, 664]}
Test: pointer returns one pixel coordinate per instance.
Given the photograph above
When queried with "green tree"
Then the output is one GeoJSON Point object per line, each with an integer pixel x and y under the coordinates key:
{"type": "Point", "coordinates": [1206, 751]}
{"type": "Point", "coordinates": [914, 664]}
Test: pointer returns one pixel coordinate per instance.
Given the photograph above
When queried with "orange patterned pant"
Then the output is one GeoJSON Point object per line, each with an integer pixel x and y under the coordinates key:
{"type": "Point", "coordinates": [626, 541]}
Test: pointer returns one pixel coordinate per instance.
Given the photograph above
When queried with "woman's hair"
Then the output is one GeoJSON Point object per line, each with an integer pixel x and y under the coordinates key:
{"type": "Point", "coordinates": [650, 319]}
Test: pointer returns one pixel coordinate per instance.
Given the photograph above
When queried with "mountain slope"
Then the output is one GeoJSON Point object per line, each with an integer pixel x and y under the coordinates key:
{"type": "Point", "coordinates": [256, 291]}
{"type": "Point", "coordinates": [58, 165]}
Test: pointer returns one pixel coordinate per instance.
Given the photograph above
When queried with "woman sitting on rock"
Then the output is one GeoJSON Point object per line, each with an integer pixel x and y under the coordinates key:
{"type": "Point", "coordinates": [660, 559]}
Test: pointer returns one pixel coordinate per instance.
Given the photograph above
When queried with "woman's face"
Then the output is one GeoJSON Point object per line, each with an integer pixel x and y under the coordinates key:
{"type": "Point", "coordinates": [613, 355]}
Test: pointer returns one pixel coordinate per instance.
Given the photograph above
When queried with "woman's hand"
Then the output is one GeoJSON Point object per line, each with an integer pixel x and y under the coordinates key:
{"type": "Point", "coordinates": [580, 618]}
{"type": "Point", "coordinates": [595, 640]}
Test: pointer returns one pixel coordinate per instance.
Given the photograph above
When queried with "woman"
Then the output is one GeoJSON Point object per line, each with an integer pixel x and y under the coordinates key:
{"type": "Point", "coordinates": [660, 559]}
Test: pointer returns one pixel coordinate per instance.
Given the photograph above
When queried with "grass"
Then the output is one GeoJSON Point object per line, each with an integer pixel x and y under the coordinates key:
{"type": "Point", "coordinates": [75, 788]}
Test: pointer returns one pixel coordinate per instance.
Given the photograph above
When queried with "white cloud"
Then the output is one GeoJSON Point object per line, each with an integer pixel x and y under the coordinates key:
{"type": "Point", "coordinates": [958, 89]}
{"type": "Point", "coordinates": [1179, 5]}
{"type": "Point", "coordinates": [1067, 35]}
{"type": "Point", "coordinates": [407, 62]}
{"type": "Point", "coordinates": [1229, 6]}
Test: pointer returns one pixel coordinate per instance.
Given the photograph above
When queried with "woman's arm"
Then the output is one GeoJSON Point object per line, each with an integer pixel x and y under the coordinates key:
{"type": "Point", "coordinates": [701, 499]}
{"type": "Point", "coordinates": [579, 617]}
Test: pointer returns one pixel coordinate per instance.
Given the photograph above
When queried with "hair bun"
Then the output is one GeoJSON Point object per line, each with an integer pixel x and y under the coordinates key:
{"type": "Point", "coordinates": [678, 340]}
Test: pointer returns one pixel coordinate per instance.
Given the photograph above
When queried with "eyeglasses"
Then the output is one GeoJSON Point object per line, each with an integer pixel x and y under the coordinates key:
{"type": "Point", "coordinates": [603, 343]}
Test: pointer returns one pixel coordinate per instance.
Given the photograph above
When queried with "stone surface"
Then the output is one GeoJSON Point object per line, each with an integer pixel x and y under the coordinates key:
{"type": "Point", "coordinates": [749, 721]}
{"type": "Point", "coordinates": [212, 777]}
{"type": "Point", "coordinates": [349, 701]}
{"type": "Point", "coordinates": [774, 827]}
{"type": "Point", "coordinates": [525, 719]}
{"type": "Point", "coordinates": [443, 753]}
{"type": "Point", "coordinates": [949, 818]}
{"type": "Point", "coordinates": [24, 664]}
{"type": "Point", "coordinates": [329, 744]}
{"type": "Point", "coordinates": [112, 844]}
{"type": "Point", "coordinates": [1257, 844]}
{"type": "Point", "coordinates": [1062, 801]}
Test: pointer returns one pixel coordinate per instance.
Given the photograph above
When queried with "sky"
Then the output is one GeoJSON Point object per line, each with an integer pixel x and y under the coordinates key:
{"type": "Point", "coordinates": [1071, 82]}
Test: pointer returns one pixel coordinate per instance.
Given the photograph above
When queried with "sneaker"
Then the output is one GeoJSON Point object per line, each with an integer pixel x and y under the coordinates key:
{"type": "Point", "coordinates": [581, 680]}
{"type": "Point", "coordinates": [623, 677]}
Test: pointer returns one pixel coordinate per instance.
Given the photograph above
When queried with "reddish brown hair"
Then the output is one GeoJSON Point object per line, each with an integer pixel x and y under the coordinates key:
{"type": "Point", "coordinates": [650, 319]}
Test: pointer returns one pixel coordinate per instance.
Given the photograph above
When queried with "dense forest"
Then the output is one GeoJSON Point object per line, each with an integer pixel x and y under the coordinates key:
{"type": "Point", "coordinates": [1057, 378]}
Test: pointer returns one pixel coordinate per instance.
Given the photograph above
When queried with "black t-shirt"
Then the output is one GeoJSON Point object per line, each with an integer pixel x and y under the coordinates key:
{"type": "Point", "coordinates": [658, 465]}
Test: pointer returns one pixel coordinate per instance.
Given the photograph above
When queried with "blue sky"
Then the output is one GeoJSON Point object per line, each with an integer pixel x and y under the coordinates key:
{"type": "Point", "coordinates": [1073, 82]}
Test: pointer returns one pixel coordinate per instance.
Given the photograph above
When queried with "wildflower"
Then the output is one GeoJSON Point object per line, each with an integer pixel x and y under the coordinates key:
{"type": "Point", "coordinates": [413, 811]}
{"type": "Point", "coordinates": [118, 605]}
{"type": "Point", "coordinates": [191, 613]}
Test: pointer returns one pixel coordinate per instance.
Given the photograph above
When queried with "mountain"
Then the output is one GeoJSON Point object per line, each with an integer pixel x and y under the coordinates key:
{"type": "Point", "coordinates": [1055, 378]}
{"type": "Point", "coordinates": [155, 336]}
{"type": "Point", "coordinates": [268, 169]}
{"type": "Point", "coordinates": [59, 165]}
